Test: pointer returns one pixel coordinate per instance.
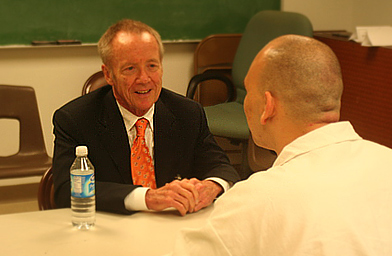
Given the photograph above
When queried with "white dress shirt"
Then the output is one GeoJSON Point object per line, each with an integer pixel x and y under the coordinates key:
{"type": "Point", "coordinates": [328, 193]}
{"type": "Point", "coordinates": [136, 201]}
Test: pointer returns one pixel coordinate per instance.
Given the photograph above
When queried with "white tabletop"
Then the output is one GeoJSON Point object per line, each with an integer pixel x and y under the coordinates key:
{"type": "Point", "coordinates": [51, 233]}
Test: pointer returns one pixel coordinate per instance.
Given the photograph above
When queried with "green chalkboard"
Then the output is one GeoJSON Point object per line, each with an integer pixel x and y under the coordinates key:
{"type": "Point", "coordinates": [23, 21]}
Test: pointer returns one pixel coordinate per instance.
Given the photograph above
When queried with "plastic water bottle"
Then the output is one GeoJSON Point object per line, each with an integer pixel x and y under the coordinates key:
{"type": "Point", "coordinates": [82, 190]}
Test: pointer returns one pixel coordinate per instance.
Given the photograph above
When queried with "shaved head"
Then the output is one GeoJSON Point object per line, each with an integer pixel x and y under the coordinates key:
{"type": "Point", "coordinates": [294, 85]}
{"type": "Point", "coordinates": [305, 74]}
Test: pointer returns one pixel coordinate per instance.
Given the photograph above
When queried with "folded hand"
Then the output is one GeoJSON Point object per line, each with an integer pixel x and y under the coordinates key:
{"type": "Point", "coordinates": [182, 195]}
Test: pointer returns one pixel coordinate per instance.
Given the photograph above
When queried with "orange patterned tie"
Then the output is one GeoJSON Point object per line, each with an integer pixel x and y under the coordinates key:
{"type": "Point", "coordinates": [141, 161]}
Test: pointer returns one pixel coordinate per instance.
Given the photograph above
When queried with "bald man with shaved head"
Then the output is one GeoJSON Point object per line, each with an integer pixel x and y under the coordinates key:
{"type": "Point", "coordinates": [328, 192]}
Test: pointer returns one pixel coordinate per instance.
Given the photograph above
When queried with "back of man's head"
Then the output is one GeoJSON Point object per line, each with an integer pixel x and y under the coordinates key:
{"type": "Point", "coordinates": [305, 75]}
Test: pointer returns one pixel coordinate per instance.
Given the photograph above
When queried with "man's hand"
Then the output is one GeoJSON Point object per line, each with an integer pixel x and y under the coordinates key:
{"type": "Point", "coordinates": [182, 195]}
{"type": "Point", "coordinates": [208, 190]}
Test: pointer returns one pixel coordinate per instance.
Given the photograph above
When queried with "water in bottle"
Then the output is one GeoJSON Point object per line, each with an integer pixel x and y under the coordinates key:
{"type": "Point", "coordinates": [82, 190]}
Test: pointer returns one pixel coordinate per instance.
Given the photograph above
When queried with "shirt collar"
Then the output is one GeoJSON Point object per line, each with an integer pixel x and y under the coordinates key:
{"type": "Point", "coordinates": [130, 119]}
{"type": "Point", "coordinates": [329, 134]}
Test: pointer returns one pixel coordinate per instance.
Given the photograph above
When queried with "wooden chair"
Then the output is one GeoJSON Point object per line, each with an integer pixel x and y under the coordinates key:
{"type": "Point", "coordinates": [94, 82]}
{"type": "Point", "coordinates": [215, 54]}
{"type": "Point", "coordinates": [20, 103]}
{"type": "Point", "coordinates": [46, 191]}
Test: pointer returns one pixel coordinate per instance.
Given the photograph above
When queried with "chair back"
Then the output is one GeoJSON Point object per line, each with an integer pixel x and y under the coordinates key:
{"type": "Point", "coordinates": [20, 103]}
{"type": "Point", "coordinates": [94, 82]}
{"type": "Point", "coordinates": [261, 29]}
{"type": "Point", "coordinates": [46, 191]}
{"type": "Point", "coordinates": [215, 54]}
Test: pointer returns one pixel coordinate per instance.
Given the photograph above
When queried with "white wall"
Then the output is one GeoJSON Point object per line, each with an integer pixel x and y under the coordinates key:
{"type": "Point", "coordinates": [342, 14]}
{"type": "Point", "coordinates": [372, 13]}
{"type": "Point", "coordinates": [324, 14]}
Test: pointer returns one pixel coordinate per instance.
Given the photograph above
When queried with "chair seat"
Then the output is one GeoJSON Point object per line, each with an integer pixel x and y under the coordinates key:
{"type": "Point", "coordinates": [227, 120]}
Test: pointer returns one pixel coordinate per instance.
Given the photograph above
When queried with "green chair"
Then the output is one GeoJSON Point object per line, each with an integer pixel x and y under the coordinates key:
{"type": "Point", "coordinates": [228, 119]}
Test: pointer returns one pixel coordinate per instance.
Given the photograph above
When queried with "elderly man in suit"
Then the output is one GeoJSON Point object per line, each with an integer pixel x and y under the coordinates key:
{"type": "Point", "coordinates": [188, 170]}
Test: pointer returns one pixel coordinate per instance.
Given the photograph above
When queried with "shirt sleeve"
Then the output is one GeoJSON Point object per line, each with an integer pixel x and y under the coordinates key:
{"type": "Point", "coordinates": [136, 200]}
{"type": "Point", "coordinates": [224, 184]}
{"type": "Point", "coordinates": [202, 241]}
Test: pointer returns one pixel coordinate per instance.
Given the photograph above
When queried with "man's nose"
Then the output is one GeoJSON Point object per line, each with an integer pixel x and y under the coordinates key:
{"type": "Point", "coordinates": [143, 76]}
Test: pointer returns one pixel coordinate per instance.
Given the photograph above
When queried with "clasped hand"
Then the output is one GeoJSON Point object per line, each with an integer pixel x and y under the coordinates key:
{"type": "Point", "coordinates": [184, 195]}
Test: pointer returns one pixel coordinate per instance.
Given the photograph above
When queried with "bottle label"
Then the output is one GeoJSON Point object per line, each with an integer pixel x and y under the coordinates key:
{"type": "Point", "coordinates": [82, 186]}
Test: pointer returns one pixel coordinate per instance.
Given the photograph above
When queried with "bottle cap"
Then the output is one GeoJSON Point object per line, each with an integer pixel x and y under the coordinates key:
{"type": "Point", "coordinates": [81, 151]}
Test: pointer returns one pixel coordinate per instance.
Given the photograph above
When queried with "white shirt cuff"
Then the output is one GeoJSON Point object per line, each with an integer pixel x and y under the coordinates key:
{"type": "Point", "coordinates": [224, 184]}
{"type": "Point", "coordinates": [136, 200]}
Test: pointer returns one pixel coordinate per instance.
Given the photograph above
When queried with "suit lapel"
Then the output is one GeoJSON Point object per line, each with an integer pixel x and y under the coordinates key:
{"type": "Point", "coordinates": [164, 143]}
{"type": "Point", "coordinates": [114, 136]}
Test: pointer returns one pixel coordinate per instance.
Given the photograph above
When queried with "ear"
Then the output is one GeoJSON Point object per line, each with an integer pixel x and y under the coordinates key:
{"type": "Point", "coordinates": [269, 108]}
{"type": "Point", "coordinates": [107, 74]}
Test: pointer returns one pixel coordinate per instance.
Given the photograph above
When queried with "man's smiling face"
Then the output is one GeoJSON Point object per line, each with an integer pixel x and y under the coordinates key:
{"type": "Point", "coordinates": [135, 71]}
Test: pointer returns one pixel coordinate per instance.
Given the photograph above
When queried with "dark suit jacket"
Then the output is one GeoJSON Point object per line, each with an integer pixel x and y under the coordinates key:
{"type": "Point", "coordinates": [183, 145]}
